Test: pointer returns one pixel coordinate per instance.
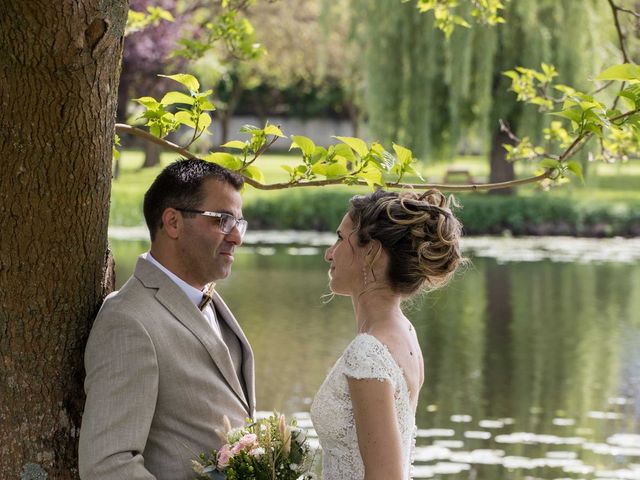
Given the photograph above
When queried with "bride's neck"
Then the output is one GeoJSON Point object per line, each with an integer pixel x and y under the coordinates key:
{"type": "Point", "coordinates": [375, 307]}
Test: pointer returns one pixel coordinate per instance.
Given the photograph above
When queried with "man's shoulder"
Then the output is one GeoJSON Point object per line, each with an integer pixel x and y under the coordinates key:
{"type": "Point", "coordinates": [132, 299]}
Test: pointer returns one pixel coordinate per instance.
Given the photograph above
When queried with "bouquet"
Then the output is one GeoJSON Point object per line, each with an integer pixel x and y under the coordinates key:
{"type": "Point", "coordinates": [265, 449]}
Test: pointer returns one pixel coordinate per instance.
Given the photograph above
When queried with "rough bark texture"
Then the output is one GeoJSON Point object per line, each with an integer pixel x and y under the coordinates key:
{"type": "Point", "coordinates": [59, 69]}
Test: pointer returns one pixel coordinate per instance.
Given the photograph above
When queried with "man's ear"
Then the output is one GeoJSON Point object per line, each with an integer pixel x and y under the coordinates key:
{"type": "Point", "coordinates": [172, 222]}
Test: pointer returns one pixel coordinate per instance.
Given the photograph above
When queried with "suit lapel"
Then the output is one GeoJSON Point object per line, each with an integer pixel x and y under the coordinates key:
{"type": "Point", "coordinates": [248, 372]}
{"type": "Point", "coordinates": [177, 302]}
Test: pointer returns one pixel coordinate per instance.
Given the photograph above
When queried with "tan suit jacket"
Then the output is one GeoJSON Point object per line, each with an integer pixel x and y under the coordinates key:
{"type": "Point", "coordinates": [159, 382]}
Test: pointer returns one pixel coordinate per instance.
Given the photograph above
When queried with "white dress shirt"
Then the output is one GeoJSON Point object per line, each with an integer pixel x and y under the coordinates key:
{"type": "Point", "coordinates": [193, 293]}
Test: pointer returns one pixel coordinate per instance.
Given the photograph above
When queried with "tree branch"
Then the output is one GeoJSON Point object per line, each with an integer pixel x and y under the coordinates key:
{"type": "Point", "coordinates": [123, 128]}
{"type": "Point", "coordinates": [623, 48]}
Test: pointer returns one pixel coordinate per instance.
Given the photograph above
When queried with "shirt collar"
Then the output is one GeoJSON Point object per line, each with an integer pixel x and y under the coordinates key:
{"type": "Point", "coordinates": [193, 293]}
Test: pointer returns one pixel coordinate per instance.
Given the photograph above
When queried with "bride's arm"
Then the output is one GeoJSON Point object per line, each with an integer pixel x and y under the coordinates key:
{"type": "Point", "coordinates": [377, 428]}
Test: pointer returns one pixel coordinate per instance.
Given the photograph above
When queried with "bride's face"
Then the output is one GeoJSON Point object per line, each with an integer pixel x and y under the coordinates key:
{"type": "Point", "coordinates": [345, 259]}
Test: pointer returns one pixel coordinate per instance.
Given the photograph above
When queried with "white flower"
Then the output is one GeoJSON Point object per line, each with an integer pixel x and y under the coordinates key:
{"type": "Point", "coordinates": [257, 452]}
{"type": "Point", "coordinates": [294, 466]}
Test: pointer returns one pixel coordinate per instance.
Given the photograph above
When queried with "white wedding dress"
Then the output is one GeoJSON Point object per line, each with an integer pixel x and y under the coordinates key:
{"type": "Point", "coordinates": [332, 412]}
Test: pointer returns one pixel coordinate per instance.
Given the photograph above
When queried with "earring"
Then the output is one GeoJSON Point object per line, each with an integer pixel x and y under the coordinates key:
{"type": "Point", "coordinates": [365, 276]}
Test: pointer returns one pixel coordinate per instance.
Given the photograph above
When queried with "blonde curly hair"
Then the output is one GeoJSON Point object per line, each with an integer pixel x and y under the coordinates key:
{"type": "Point", "coordinates": [417, 230]}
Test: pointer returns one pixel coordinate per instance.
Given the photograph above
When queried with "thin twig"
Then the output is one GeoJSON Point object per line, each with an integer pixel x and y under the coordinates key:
{"type": "Point", "coordinates": [621, 36]}
{"type": "Point", "coordinates": [506, 129]}
{"type": "Point", "coordinates": [626, 10]}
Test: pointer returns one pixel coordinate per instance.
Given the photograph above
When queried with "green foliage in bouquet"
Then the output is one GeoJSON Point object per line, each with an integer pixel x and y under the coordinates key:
{"type": "Point", "coordinates": [265, 449]}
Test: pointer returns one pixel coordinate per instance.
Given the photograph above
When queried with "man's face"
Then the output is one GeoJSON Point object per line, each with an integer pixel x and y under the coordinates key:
{"type": "Point", "coordinates": [205, 252]}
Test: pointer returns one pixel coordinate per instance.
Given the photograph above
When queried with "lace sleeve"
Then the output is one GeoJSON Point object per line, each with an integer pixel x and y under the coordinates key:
{"type": "Point", "coordinates": [366, 357]}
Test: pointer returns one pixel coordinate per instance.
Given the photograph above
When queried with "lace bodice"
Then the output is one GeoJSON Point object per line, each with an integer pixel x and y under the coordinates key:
{"type": "Point", "coordinates": [332, 412]}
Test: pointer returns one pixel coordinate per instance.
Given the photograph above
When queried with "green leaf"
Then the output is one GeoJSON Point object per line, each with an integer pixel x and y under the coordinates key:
{"type": "Point", "coordinates": [629, 97]}
{"type": "Point", "coordinates": [177, 97]}
{"type": "Point", "coordinates": [372, 176]}
{"type": "Point", "coordinates": [204, 120]}
{"type": "Point", "coordinates": [405, 156]}
{"type": "Point", "coordinates": [319, 153]}
{"type": "Point", "coordinates": [412, 171]}
{"type": "Point", "coordinates": [319, 168]}
{"type": "Point", "coordinates": [549, 163]}
{"type": "Point", "coordinates": [344, 151]}
{"type": "Point", "coordinates": [573, 115]}
{"type": "Point", "coordinates": [287, 168]}
{"type": "Point", "coordinates": [237, 144]}
{"type": "Point", "coordinates": [358, 145]}
{"type": "Point", "coordinates": [624, 72]}
{"type": "Point", "coordinates": [155, 130]}
{"type": "Point", "coordinates": [594, 129]}
{"type": "Point", "coordinates": [185, 79]}
{"type": "Point", "coordinates": [337, 169]}
{"type": "Point", "coordinates": [184, 117]}
{"type": "Point", "coordinates": [205, 105]}
{"type": "Point", "coordinates": [249, 129]}
{"type": "Point", "coordinates": [303, 143]}
{"type": "Point", "coordinates": [148, 102]}
{"type": "Point", "coordinates": [225, 160]}
{"type": "Point", "coordinates": [202, 94]}
{"type": "Point", "coordinates": [576, 168]}
{"type": "Point", "coordinates": [254, 172]}
{"type": "Point", "coordinates": [273, 130]}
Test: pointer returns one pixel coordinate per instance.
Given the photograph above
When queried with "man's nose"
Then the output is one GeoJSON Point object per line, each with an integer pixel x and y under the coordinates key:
{"type": "Point", "coordinates": [234, 236]}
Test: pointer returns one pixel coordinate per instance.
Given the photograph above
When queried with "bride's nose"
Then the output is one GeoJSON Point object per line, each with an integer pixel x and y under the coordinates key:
{"type": "Point", "coordinates": [328, 254]}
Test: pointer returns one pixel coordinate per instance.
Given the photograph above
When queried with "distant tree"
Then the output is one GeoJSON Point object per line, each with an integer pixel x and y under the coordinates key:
{"type": "Point", "coordinates": [424, 89]}
{"type": "Point", "coordinates": [146, 54]}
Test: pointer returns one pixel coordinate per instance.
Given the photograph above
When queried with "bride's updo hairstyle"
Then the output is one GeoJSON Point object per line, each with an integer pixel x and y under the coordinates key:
{"type": "Point", "coordinates": [417, 230]}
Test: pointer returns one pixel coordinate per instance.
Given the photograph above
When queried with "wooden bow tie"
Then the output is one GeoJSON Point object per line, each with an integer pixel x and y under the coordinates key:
{"type": "Point", "coordinates": [207, 296]}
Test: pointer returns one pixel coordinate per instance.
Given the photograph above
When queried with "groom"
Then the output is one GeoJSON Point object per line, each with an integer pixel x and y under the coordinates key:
{"type": "Point", "coordinates": [165, 363]}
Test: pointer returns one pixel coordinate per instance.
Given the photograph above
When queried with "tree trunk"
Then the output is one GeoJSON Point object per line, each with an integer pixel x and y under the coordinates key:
{"type": "Point", "coordinates": [223, 121]}
{"type": "Point", "coordinates": [501, 169]}
{"type": "Point", "coordinates": [151, 154]}
{"type": "Point", "coordinates": [59, 70]}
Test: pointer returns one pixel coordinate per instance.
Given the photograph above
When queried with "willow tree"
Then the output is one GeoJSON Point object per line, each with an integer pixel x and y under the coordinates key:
{"type": "Point", "coordinates": [438, 95]}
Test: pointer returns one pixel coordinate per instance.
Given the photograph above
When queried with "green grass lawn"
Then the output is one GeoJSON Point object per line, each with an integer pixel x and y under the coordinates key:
{"type": "Point", "coordinates": [618, 183]}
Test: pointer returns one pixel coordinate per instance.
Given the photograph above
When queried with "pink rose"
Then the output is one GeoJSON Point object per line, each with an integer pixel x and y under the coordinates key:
{"type": "Point", "coordinates": [247, 442]}
{"type": "Point", "coordinates": [224, 455]}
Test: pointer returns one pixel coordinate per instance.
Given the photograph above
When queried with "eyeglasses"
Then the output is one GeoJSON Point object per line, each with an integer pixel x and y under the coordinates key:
{"type": "Point", "coordinates": [227, 221]}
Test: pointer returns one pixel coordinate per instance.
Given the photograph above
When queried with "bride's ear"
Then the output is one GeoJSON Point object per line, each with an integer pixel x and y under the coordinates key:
{"type": "Point", "coordinates": [373, 251]}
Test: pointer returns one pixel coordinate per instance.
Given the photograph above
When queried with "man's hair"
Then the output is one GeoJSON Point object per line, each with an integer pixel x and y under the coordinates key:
{"type": "Point", "coordinates": [179, 185]}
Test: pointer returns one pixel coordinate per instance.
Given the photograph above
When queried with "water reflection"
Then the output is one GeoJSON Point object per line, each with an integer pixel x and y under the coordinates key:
{"type": "Point", "coordinates": [533, 368]}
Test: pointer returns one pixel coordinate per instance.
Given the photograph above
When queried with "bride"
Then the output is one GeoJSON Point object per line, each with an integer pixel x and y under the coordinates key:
{"type": "Point", "coordinates": [390, 246]}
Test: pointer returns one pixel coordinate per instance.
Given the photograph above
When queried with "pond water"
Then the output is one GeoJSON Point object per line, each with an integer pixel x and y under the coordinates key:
{"type": "Point", "coordinates": [532, 355]}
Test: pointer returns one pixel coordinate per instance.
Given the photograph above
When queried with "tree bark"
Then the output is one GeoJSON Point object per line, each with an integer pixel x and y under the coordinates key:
{"type": "Point", "coordinates": [59, 71]}
{"type": "Point", "coordinates": [501, 169]}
